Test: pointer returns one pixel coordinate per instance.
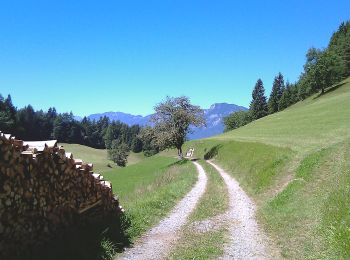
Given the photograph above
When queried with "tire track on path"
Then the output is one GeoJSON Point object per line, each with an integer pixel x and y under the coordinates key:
{"type": "Point", "coordinates": [247, 241]}
{"type": "Point", "coordinates": [157, 242]}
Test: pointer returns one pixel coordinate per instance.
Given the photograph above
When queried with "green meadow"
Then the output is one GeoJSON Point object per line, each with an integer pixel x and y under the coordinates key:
{"type": "Point", "coordinates": [98, 157]}
{"type": "Point", "coordinates": [295, 164]}
{"type": "Point", "coordinates": [149, 189]}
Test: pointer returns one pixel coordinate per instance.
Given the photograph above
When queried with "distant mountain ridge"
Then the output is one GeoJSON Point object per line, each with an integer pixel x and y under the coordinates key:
{"type": "Point", "coordinates": [126, 118]}
{"type": "Point", "coordinates": [213, 116]}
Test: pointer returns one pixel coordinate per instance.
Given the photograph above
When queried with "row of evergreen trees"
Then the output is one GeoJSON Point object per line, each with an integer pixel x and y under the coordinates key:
{"type": "Point", "coordinates": [29, 125]}
{"type": "Point", "coordinates": [323, 68]}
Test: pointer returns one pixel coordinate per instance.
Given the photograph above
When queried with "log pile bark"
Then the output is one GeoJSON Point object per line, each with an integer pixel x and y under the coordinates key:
{"type": "Point", "coordinates": [44, 189]}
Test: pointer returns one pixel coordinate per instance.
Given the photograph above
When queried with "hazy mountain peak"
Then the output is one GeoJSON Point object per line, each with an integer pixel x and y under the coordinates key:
{"type": "Point", "coordinates": [214, 119]}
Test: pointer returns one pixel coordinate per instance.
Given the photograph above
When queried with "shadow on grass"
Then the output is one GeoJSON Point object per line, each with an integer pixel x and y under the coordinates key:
{"type": "Point", "coordinates": [179, 162]}
{"type": "Point", "coordinates": [329, 90]}
{"type": "Point", "coordinates": [212, 152]}
{"type": "Point", "coordinates": [99, 240]}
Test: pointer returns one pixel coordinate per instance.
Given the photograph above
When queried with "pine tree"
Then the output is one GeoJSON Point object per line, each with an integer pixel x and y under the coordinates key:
{"type": "Point", "coordinates": [258, 106]}
{"type": "Point", "coordinates": [7, 115]}
{"type": "Point", "coordinates": [276, 94]}
{"type": "Point", "coordinates": [285, 100]}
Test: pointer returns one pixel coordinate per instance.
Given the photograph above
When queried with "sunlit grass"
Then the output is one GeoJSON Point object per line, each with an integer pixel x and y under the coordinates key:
{"type": "Point", "coordinates": [98, 157]}
{"type": "Point", "coordinates": [295, 165]}
{"type": "Point", "coordinates": [150, 189]}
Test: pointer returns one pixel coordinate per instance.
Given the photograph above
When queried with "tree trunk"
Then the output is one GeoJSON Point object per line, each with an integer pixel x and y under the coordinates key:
{"type": "Point", "coordinates": [179, 152]}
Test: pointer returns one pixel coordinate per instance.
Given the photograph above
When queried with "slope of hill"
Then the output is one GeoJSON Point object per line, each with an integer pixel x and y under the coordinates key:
{"type": "Point", "coordinates": [316, 122]}
{"type": "Point", "coordinates": [295, 164]}
{"type": "Point", "coordinates": [98, 156]}
{"type": "Point", "coordinates": [213, 116]}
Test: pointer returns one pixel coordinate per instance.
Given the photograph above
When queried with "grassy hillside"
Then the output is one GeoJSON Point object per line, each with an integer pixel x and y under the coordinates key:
{"type": "Point", "coordinates": [295, 164]}
{"type": "Point", "coordinates": [316, 122]}
{"type": "Point", "coordinates": [98, 156]}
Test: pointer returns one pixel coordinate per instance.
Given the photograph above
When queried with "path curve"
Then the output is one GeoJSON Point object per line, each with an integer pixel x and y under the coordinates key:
{"type": "Point", "coordinates": [247, 241]}
{"type": "Point", "coordinates": [156, 243]}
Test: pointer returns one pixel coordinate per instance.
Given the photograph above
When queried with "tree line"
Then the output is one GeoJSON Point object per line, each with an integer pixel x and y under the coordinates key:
{"type": "Point", "coordinates": [170, 126]}
{"type": "Point", "coordinates": [323, 68]}
{"type": "Point", "coordinates": [30, 125]}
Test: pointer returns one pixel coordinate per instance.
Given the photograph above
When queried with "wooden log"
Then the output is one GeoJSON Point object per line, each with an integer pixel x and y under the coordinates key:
{"type": "Point", "coordinates": [78, 161]}
{"type": "Point", "coordinates": [42, 188]}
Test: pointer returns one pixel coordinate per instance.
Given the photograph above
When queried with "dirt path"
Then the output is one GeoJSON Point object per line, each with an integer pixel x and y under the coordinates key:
{"type": "Point", "coordinates": [156, 243]}
{"type": "Point", "coordinates": [247, 241]}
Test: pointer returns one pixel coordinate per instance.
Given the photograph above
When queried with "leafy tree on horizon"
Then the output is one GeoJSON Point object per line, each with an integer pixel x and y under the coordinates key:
{"type": "Point", "coordinates": [119, 153]}
{"type": "Point", "coordinates": [148, 139]}
{"type": "Point", "coordinates": [340, 44]}
{"type": "Point", "coordinates": [329, 69]}
{"type": "Point", "coordinates": [172, 120]}
{"type": "Point", "coordinates": [236, 120]}
{"type": "Point", "coordinates": [258, 106]}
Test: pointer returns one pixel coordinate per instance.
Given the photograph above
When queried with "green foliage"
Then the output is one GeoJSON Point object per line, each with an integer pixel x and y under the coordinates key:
{"type": "Point", "coordinates": [276, 94]}
{"type": "Point", "coordinates": [95, 131]}
{"type": "Point", "coordinates": [237, 119]}
{"type": "Point", "coordinates": [136, 145]}
{"type": "Point", "coordinates": [289, 96]}
{"type": "Point", "coordinates": [67, 129]}
{"type": "Point", "coordinates": [119, 153]}
{"type": "Point", "coordinates": [324, 68]}
{"type": "Point", "coordinates": [7, 114]}
{"type": "Point", "coordinates": [120, 133]}
{"type": "Point", "coordinates": [340, 44]}
{"type": "Point", "coordinates": [149, 141]}
{"type": "Point", "coordinates": [172, 120]}
{"type": "Point", "coordinates": [258, 105]}
{"type": "Point", "coordinates": [327, 69]}
{"type": "Point", "coordinates": [31, 125]}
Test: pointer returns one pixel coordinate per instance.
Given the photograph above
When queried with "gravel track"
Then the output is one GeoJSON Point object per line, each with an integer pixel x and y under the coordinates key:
{"type": "Point", "coordinates": [247, 241]}
{"type": "Point", "coordinates": [157, 242]}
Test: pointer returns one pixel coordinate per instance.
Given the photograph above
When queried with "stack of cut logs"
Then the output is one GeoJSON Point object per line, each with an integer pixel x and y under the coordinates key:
{"type": "Point", "coordinates": [42, 190]}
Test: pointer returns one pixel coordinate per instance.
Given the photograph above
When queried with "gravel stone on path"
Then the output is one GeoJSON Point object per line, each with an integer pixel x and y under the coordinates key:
{"type": "Point", "coordinates": [157, 242]}
{"type": "Point", "coordinates": [247, 241]}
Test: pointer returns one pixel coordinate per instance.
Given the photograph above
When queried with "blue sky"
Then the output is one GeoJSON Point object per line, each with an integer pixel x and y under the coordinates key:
{"type": "Point", "coordinates": [97, 56]}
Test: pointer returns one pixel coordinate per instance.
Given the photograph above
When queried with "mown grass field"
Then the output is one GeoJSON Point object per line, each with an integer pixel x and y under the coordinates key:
{"type": "Point", "coordinates": [295, 164]}
{"type": "Point", "coordinates": [98, 157]}
{"type": "Point", "coordinates": [317, 122]}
